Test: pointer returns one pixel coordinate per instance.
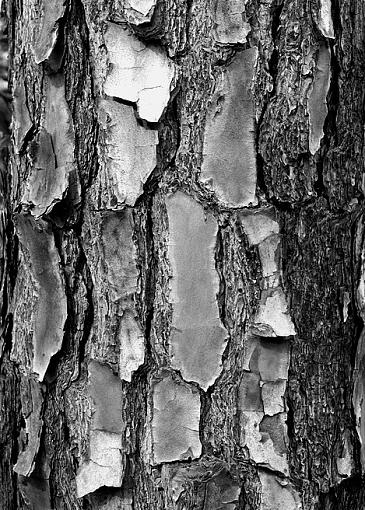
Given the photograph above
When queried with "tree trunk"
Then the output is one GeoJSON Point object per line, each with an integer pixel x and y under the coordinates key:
{"type": "Point", "coordinates": [182, 255]}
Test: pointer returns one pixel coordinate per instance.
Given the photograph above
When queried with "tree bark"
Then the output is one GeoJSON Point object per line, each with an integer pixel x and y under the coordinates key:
{"type": "Point", "coordinates": [182, 255]}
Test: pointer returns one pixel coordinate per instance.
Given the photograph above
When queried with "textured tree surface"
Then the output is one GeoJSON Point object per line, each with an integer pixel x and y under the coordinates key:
{"type": "Point", "coordinates": [182, 255]}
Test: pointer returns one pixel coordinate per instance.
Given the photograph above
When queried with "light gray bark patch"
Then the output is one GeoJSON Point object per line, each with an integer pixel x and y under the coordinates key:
{"type": "Point", "coordinates": [277, 493]}
{"type": "Point", "coordinates": [345, 461]}
{"type": "Point", "coordinates": [106, 394]}
{"type": "Point", "coordinates": [317, 101]}
{"type": "Point", "coordinates": [273, 318]}
{"type": "Point", "coordinates": [58, 120]}
{"type": "Point", "coordinates": [128, 154]}
{"type": "Point", "coordinates": [261, 397]}
{"type": "Point", "coordinates": [104, 466]}
{"type": "Point", "coordinates": [131, 345]}
{"type": "Point", "coordinates": [37, 239]}
{"type": "Point", "coordinates": [229, 153]}
{"type": "Point", "coordinates": [206, 484]}
{"type": "Point", "coordinates": [33, 426]}
{"type": "Point", "coordinates": [231, 25]}
{"type": "Point", "coordinates": [138, 73]}
{"type": "Point", "coordinates": [273, 397]}
{"type": "Point", "coordinates": [53, 164]}
{"type": "Point", "coordinates": [122, 278]}
{"type": "Point", "coordinates": [105, 462]}
{"type": "Point", "coordinates": [21, 123]}
{"type": "Point", "coordinates": [259, 224]}
{"type": "Point", "coordinates": [198, 337]}
{"type": "Point", "coordinates": [273, 427]}
{"type": "Point", "coordinates": [249, 393]}
{"type": "Point", "coordinates": [139, 11]}
{"type": "Point", "coordinates": [271, 359]}
{"type": "Point", "coordinates": [47, 28]}
{"type": "Point", "coordinates": [260, 444]}
{"type": "Point", "coordinates": [120, 254]}
{"type": "Point", "coordinates": [47, 185]}
{"type": "Point", "coordinates": [175, 421]}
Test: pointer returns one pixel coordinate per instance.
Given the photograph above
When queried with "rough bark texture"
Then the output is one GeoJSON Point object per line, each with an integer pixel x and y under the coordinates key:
{"type": "Point", "coordinates": [182, 255]}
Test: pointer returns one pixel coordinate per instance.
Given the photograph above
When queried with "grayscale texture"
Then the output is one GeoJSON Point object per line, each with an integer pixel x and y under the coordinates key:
{"type": "Point", "coordinates": [229, 156]}
{"type": "Point", "coordinates": [197, 337]}
{"type": "Point", "coordinates": [182, 291]}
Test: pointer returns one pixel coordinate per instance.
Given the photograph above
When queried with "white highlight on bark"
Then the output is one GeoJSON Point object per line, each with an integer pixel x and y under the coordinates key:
{"type": "Point", "coordinates": [198, 337]}
{"type": "Point", "coordinates": [272, 318]}
{"type": "Point", "coordinates": [139, 11]}
{"type": "Point", "coordinates": [104, 466]}
{"type": "Point", "coordinates": [46, 187]}
{"type": "Point", "coordinates": [33, 429]}
{"type": "Point", "coordinates": [317, 101]}
{"type": "Point", "coordinates": [264, 430]}
{"type": "Point", "coordinates": [262, 446]}
{"type": "Point", "coordinates": [259, 225]}
{"type": "Point", "coordinates": [131, 346]}
{"type": "Point", "coordinates": [175, 421]}
{"type": "Point", "coordinates": [261, 402]}
{"type": "Point", "coordinates": [38, 242]}
{"type": "Point", "coordinates": [229, 154]}
{"type": "Point", "coordinates": [272, 393]}
{"type": "Point", "coordinates": [128, 154]}
{"type": "Point", "coordinates": [325, 23]}
{"type": "Point", "coordinates": [229, 17]}
{"type": "Point", "coordinates": [277, 493]}
{"type": "Point", "coordinates": [48, 28]}
{"type": "Point", "coordinates": [140, 74]}
{"type": "Point", "coordinates": [345, 462]}
{"type": "Point", "coordinates": [105, 463]}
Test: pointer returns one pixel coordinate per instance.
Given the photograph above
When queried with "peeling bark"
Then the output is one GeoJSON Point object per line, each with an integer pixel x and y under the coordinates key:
{"type": "Point", "coordinates": [197, 337]}
{"type": "Point", "coordinates": [42, 338]}
{"type": "Point", "coordinates": [138, 73]}
{"type": "Point", "coordinates": [229, 155]}
{"type": "Point", "coordinates": [181, 255]}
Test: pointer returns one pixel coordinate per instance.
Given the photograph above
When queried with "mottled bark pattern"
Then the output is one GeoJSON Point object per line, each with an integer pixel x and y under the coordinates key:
{"type": "Point", "coordinates": [182, 252]}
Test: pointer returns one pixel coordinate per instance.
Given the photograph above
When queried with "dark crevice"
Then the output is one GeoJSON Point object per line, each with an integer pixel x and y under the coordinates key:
{"type": "Point", "coordinates": [273, 71]}
{"type": "Point", "coordinates": [347, 495]}
{"type": "Point", "coordinates": [319, 185]}
{"type": "Point", "coordinates": [330, 138]}
{"type": "Point", "coordinates": [275, 33]}
{"type": "Point", "coordinates": [89, 314]}
{"type": "Point", "coordinates": [150, 272]}
{"type": "Point", "coordinates": [189, 14]}
{"type": "Point", "coordinates": [333, 100]}
{"type": "Point", "coordinates": [221, 297]}
{"type": "Point", "coordinates": [77, 68]}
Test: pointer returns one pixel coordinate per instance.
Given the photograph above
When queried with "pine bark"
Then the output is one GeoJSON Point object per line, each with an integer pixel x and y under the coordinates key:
{"type": "Point", "coordinates": [182, 255]}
